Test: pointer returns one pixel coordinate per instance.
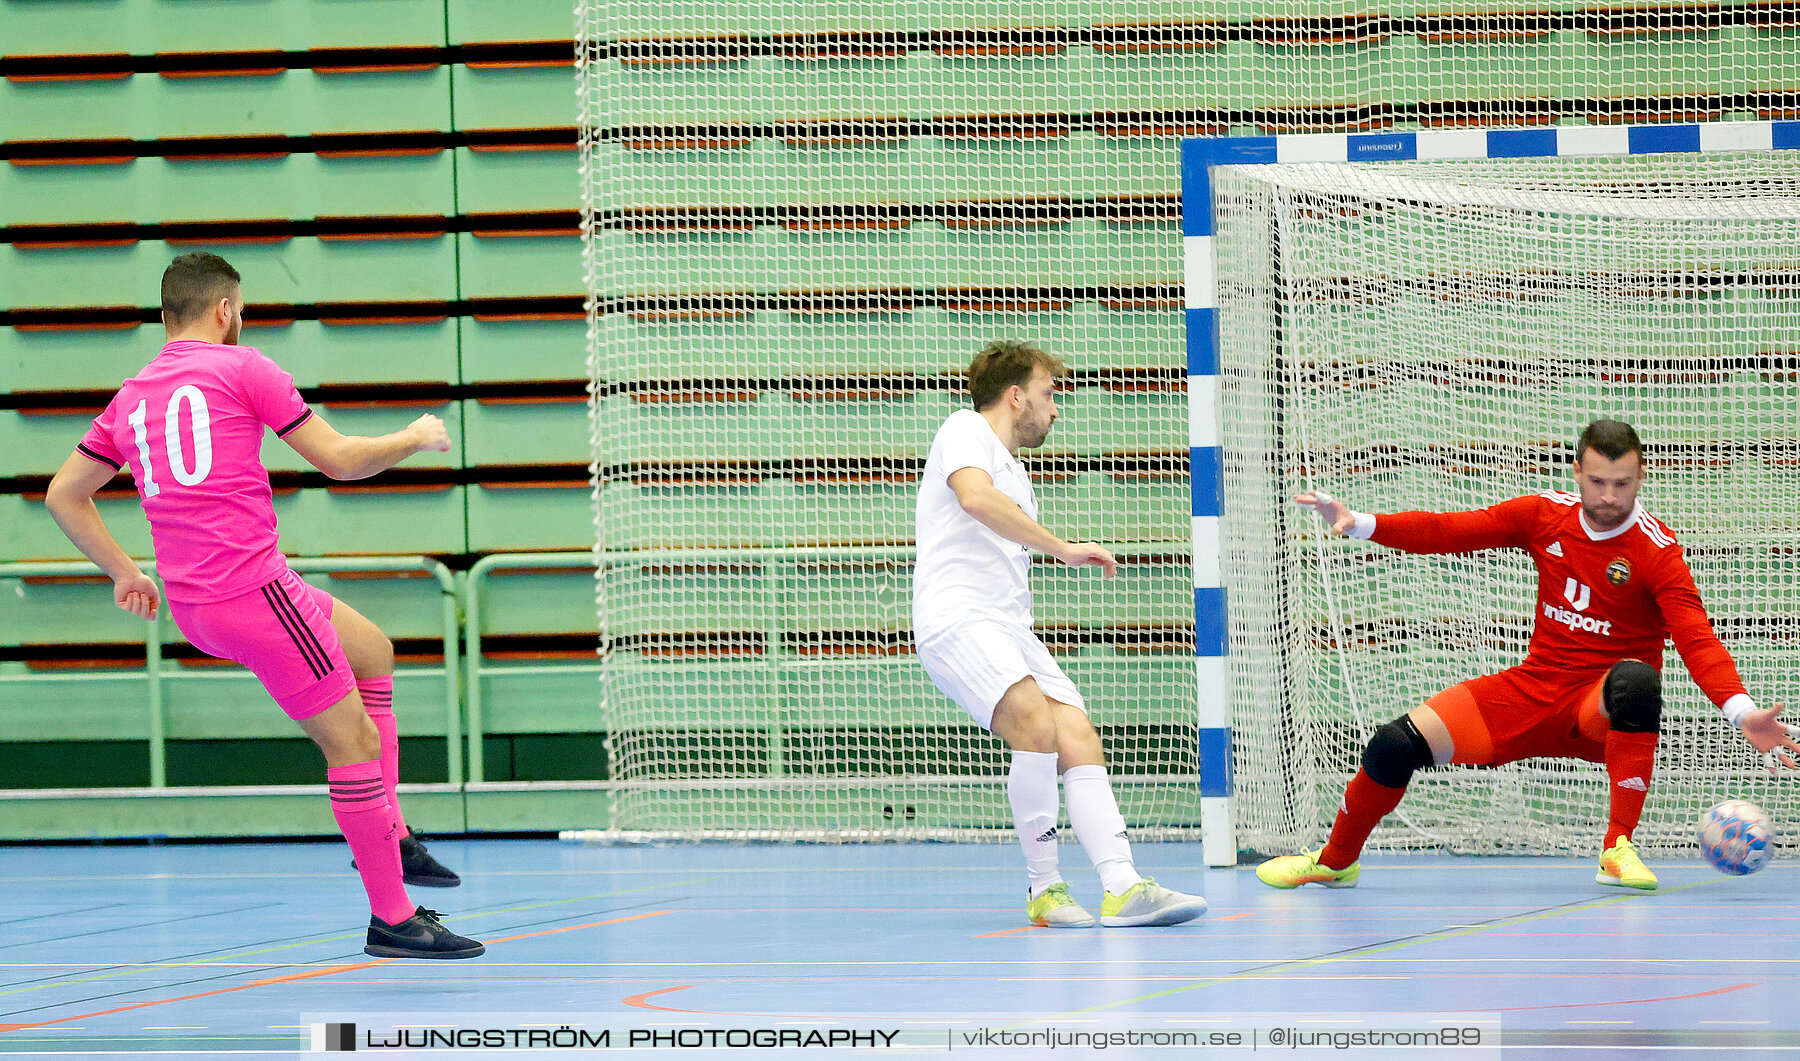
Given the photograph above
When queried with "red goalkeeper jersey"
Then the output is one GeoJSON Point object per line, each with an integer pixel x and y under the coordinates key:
{"type": "Point", "coordinates": [1602, 596]}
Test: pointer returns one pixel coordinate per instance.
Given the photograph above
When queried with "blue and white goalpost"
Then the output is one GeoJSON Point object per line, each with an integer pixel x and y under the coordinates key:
{"type": "Point", "coordinates": [1725, 380]}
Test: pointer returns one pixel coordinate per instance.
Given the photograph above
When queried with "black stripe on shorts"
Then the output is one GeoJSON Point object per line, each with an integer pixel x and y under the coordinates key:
{"type": "Point", "coordinates": [289, 618]}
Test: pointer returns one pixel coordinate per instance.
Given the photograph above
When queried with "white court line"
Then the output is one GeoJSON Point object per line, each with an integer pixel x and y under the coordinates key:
{"type": "Point", "coordinates": [1034, 960]}
{"type": "Point", "coordinates": [1485, 866]}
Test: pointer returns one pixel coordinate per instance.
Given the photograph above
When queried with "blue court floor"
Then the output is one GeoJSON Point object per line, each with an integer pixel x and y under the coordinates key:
{"type": "Point", "coordinates": [237, 951]}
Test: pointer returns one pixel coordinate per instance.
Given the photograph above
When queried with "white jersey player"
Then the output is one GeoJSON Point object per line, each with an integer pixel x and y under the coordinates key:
{"type": "Point", "coordinates": [976, 528]}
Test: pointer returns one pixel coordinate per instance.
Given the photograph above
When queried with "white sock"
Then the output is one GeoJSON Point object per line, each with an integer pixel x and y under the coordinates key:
{"type": "Point", "coordinates": [1100, 827]}
{"type": "Point", "coordinates": [1031, 788]}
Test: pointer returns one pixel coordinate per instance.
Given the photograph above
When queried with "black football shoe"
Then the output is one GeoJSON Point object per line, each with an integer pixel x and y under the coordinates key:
{"type": "Point", "coordinates": [419, 936]}
{"type": "Point", "coordinates": [419, 869]}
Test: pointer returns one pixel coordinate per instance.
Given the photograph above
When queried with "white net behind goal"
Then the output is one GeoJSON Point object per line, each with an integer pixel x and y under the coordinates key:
{"type": "Point", "coordinates": [1434, 336]}
{"type": "Point", "coordinates": [801, 219]}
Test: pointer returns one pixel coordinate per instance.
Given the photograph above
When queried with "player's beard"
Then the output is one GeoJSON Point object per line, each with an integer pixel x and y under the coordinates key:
{"type": "Point", "coordinates": [1604, 519]}
{"type": "Point", "coordinates": [234, 329]}
{"type": "Point", "coordinates": [1032, 436]}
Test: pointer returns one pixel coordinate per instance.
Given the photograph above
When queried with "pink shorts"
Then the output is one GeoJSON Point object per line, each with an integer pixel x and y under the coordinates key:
{"type": "Point", "coordinates": [283, 633]}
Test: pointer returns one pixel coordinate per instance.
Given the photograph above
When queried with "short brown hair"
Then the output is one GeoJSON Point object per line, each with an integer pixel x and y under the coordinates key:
{"type": "Point", "coordinates": [1004, 363]}
{"type": "Point", "coordinates": [192, 283]}
{"type": "Point", "coordinates": [1611, 439]}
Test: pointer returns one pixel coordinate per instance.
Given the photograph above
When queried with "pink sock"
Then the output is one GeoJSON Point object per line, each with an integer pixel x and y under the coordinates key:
{"type": "Point", "coordinates": [378, 701]}
{"type": "Point", "coordinates": [367, 821]}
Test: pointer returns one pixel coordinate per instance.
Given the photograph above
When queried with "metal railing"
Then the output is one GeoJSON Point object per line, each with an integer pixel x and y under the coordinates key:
{"type": "Point", "coordinates": [774, 654]}
{"type": "Point", "coordinates": [159, 629]}
{"type": "Point", "coordinates": [463, 597]}
{"type": "Point", "coordinates": [478, 575]}
{"type": "Point", "coordinates": [476, 579]}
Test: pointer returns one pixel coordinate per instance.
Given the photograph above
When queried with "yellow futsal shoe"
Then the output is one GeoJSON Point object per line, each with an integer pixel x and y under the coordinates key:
{"type": "Point", "coordinates": [1149, 903]}
{"type": "Point", "coordinates": [1621, 868]}
{"type": "Point", "coordinates": [1054, 908]}
{"type": "Point", "coordinates": [1291, 871]}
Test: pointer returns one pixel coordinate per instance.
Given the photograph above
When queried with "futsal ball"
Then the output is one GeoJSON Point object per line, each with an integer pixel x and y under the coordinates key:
{"type": "Point", "coordinates": [1736, 837]}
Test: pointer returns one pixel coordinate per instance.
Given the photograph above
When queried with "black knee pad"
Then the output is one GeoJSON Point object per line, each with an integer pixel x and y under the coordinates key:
{"type": "Point", "coordinates": [1394, 752]}
{"type": "Point", "coordinates": [1632, 696]}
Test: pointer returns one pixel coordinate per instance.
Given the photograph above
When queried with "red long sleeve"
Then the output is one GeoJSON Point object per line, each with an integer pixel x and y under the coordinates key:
{"type": "Point", "coordinates": [1497, 526]}
{"type": "Point", "coordinates": [1602, 596]}
{"type": "Point", "coordinates": [1691, 629]}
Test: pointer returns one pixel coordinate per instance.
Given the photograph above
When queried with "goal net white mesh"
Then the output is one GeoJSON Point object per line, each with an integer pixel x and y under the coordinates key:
{"type": "Point", "coordinates": [801, 220]}
{"type": "Point", "coordinates": [797, 244]}
{"type": "Point", "coordinates": [1433, 336]}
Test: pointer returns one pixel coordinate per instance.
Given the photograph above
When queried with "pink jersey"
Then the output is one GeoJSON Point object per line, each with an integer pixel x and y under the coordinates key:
{"type": "Point", "coordinates": [191, 426]}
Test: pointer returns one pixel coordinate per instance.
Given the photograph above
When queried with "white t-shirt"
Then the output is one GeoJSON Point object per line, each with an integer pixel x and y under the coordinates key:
{"type": "Point", "coordinates": [964, 570]}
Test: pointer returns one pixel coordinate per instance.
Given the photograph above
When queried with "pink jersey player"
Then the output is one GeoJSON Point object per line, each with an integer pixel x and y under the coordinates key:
{"type": "Point", "coordinates": [191, 427]}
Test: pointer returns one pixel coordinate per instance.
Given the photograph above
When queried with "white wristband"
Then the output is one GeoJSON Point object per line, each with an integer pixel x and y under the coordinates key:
{"type": "Point", "coordinates": [1364, 526]}
{"type": "Point", "coordinates": [1736, 708]}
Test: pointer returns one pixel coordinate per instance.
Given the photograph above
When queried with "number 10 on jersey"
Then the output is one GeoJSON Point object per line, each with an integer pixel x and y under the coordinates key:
{"type": "Point", "coordinates": [202, 427]}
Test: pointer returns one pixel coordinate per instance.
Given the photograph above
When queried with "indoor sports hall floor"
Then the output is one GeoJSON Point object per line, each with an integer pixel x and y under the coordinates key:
{"type": "Point", "coordinates": [236, 950]}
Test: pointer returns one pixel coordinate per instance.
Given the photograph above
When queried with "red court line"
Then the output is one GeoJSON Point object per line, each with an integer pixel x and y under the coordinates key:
{"type": "Point", "coordinates": [328, 971]}
{"type": "Point", "coordinates": [332, 970]}
{"type": "Point", "coordinates": [1621, 1002]}
{"type": "Point", "coordinates": [640, 1003]}
{"type": "Point", "coordinates": [591, 924]}
{"type": "Point", "coordinates": [1008, 932]}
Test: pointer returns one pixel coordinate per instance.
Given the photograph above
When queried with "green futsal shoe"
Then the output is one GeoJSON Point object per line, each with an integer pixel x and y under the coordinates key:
{"type": "Point", "coordinates": [1621, 867]}
{"type": "Point", "coordinates": [1054, 908]}
{"type": "Point", "coordinates": [1149, 903]}
{"type": "Point", "coordinates": [1291, 871]}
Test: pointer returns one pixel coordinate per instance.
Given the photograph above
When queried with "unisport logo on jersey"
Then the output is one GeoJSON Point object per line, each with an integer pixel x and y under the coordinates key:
{"type": "Point", "coordinates": [1579, 596]}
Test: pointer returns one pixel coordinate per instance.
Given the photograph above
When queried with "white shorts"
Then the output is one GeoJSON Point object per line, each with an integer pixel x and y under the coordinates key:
{"type": "Point", "coordinates": [975, 663]}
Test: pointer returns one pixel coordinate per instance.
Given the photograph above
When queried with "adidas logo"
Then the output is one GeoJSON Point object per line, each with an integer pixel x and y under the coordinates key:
{"type": "Point", "coordinates": [1555, 549]}
{"type": "Point", "coordinates": [1048, 837]}
{"type": "Point", "coordinates": [1634, 783]}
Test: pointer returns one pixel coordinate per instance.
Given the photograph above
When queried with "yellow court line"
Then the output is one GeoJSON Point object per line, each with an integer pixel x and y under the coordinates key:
{"type": "Point", "coordinates": [1357, 955]}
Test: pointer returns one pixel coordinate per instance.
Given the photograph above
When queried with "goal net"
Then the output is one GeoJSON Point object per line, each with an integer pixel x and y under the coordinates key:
{"type": "Point", "coordinates": [1434, 335]}
{"type": "Point", "coordinates": [801, 220]}
{"type": "Point", "coordinates": [802, 225]}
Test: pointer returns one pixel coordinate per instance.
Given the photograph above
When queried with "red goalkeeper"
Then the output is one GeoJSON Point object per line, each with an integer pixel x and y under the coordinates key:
{"type": "Point", "coordinates": [1613, 585]}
